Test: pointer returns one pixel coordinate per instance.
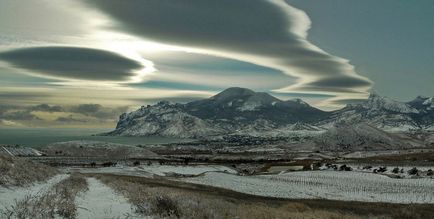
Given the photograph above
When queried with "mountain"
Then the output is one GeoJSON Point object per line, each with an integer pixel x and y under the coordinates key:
{"type": "Point", "coordinates": [246, 106]}
{"type": "Point", "coordinates": [242, 111]}
{"type": "Point", "coordinates": [386, 114]}
{"type": "Point", "coordinates": [425, 106]}
{"type": "Point", "coordinates": [357, 137]}
{"type": "Point", "coordinates": [164, 119]}
{"type": "Point", "coordinates": [233, 111]}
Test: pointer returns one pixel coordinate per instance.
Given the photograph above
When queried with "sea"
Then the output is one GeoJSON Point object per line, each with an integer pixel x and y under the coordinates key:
{"type": "Point", "coordinates": [40, 137]}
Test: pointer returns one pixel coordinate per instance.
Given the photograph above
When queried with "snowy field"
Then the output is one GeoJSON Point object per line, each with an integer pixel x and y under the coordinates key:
{"type": "Point", "coordinates": [348, 186]}
{"type": "Point", "coordinates": [163, 170]}
{"type": "Point", "coordinates": [102, 202]}
{"type": "Point", "coordinates": [160, 170]}
{"type": "Point", "coordinates": [8, 196]}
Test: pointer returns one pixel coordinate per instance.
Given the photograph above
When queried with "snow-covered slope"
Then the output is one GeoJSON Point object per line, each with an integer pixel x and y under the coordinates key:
{"type": "Point", "coordinates": [376, 102]}
{"type": "Point", "coordinates": [164, 119]}
{"type": "Point", "coordinates": [386, 114]}
{"type": "Point", "coordinates": [246, 106]}
{"type": "Point", "coordinates": [357, 137]}
{"type": "Point", "coordinates": [244, 112]}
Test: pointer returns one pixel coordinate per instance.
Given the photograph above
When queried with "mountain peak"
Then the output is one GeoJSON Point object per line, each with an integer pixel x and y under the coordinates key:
{"type": "Point", "coordinates": [377, 102]}
{"type": "Point", "coordinates": [374, 95]}
{"type": "Point", "coordinates": [300, 101]}
{"type": "Point", "coordinates": [233, 92]}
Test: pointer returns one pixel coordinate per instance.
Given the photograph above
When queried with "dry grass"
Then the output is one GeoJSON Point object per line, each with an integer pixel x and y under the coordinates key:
{"type": "Point", "coordinates": [59, 202]}
{"type": "Point", "coordinates": [171, 202]}
{"type": "Point", "coordinates": [15, 171]}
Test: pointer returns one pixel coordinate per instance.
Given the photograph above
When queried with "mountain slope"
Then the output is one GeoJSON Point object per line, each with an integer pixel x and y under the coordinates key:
{"type": "Point", "coordinates": [245, 112]}
{"type": "Point", "coordinates": [357, 137]}
{"type": "Point", "coordinates": [163, 119]}
{"type": "Point", "coordinates": [247, 106]}
{"type": "Point", "coordinates": [384, 113]}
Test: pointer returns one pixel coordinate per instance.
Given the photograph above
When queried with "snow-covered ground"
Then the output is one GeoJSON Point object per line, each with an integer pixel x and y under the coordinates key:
{"type": "Point", "coordinates": [160, 170]}
{"type": "Point", "coordinates": [163, 170]}
{"type": "Point", "coordinates": [101, 201]}
{"type": "Point", "coordinates": [8, 196]}
{"type": "Point", "coordinates": [117, 170]}
{"type": "Point", "coordinates": [349, 186]}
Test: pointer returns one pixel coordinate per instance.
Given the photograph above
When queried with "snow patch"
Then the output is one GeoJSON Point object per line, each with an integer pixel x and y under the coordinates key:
{"type": "Point", "coordinates": [102, 202]}
{"type": "Point", "coordinates": [8, 196]}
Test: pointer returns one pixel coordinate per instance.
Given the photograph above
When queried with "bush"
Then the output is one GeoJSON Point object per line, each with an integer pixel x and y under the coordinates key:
{"type": "Point", "coordinates": [165, 207]}
{"type": "Point", "coordinates": [382, 169]}
{"type": "Point", "coordinates": [413, 171]}
{"type": "Point", "coordinates": [345, 168]}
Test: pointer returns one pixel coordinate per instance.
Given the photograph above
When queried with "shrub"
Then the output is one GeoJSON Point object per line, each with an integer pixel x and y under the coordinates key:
{"type": "Point", "coordinates": [382, 169]}
{"type": "Point", "coordinates": [413, 171]}
{"type": "Point", "coordinates": [345, 168]}
{"type": "Point", "coordinates": [165, 207]}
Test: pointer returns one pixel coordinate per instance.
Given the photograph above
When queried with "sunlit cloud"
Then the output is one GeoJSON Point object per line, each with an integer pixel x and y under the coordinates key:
{"type": "Point", "coordinates": [269, 33]}
{"type": "Point", "coordinates": [165, 44]}
{"type": "Point", "coordinates": [74, 63]}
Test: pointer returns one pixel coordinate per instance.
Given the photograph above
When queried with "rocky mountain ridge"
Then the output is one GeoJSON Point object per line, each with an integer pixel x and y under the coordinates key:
{"type": "Point", "coordinates": [242, 111]}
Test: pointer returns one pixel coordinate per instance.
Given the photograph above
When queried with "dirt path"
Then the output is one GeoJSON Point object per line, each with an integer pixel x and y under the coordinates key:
{"type": "Point", "coordinates": [101, 201]}
{"type": "Point", "coordinates": [8, 196]}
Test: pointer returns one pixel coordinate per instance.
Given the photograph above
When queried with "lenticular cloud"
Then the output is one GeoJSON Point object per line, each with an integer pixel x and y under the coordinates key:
{"type": "Point", "coordinates": [265, 32]}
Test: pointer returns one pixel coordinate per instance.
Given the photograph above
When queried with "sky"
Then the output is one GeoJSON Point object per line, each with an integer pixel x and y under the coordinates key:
{"type": "Point", "coordinates": [81, 63]}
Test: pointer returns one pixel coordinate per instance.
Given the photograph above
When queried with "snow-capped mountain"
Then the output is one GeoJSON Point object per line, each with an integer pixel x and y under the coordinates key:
{"type": "Point", "coordinates": [246, 106]}
{"type": "Point", "coordinates": [245, 112]}
{"type": "Point", "coordinates": [164, 119]}
{"type": "Point", "coordinates": [386, 114]}
{"type": "Point", "coordinates": [357, 137]}
{"type": "Point", "coordinates": [376, 102]}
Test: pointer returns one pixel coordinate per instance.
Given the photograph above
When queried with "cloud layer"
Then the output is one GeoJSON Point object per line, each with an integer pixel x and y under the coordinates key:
{"type": "Point", "coordinates": [56, 115]}
{"type": "Point", "coordinates": [184, 70]}
{"type": "Point", "coordinates": [265, 32]}
{"type": "Point", "coordinates": [74, 63]}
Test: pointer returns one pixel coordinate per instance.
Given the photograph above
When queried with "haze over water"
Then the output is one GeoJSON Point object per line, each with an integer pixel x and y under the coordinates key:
{"type": "Point", "coordinates": [39, 137]}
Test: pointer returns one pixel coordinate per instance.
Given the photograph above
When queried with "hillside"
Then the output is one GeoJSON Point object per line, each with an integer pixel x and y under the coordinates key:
{"type": "Point", "coordinates": [96, 149]}
{"type": "Point", "coordinates": [242, 111]}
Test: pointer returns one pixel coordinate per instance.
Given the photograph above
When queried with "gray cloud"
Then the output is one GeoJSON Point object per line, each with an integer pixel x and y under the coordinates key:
{"type": "Point", "coordinates": [47, 108]}
{"type": "Point", "coordinates": [268, 30]}
{"type": "Point", "coordinates": [73, 63]}
{"type": "Point", "coordinates": [4, 108]}
{"type": "Point", "coordinates": [70, 119]}
{"type": "Point", "coordinates": [4, 96]}
{"type": "Point", "coordinates": [19, 115]}
{"type": "Point", "coordinates": [341, 82]}
{"type": "Point", "coordinates": [87, 109]}
{"type": "Point", "coordinates": [170, 99]}
{"type": "Point", "coordinates": [83, 113]}
{"type": "Point", "coordinates": [98, 111]}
